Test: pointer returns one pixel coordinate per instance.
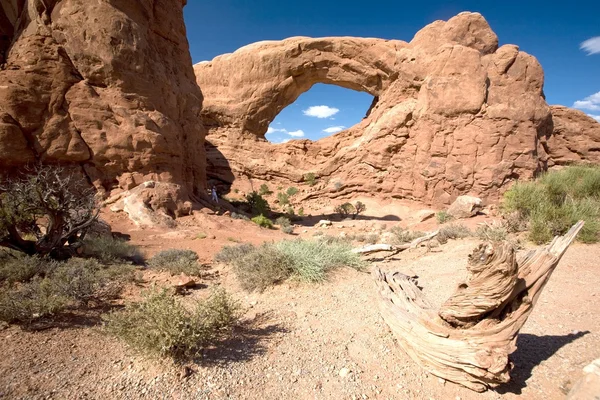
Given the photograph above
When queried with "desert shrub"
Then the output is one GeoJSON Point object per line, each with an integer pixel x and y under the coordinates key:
{"type": "Point", "coordinates": [338, 186]}
{"type": "Point", "coordinates": [345, 210]}
{"type": "Point", "coordinates": [310, 178]}
{"type": "Point", "coordinates": [263, 221]}
{"type": "Point", "coordinates": [111, 250]}
{"type": "Point", "coordinates": [47, 211]}
{"type": "Point", "coordinates": [555, 201]}
{"type": "Point", "coordinates": [289, 229]}
{"type": "Point", "coordinates": [317, 233]}
{"type": "Point", "coordinates": [301, 211]}
{"type": "Point", "coordinates": [283, 221]}
{"type": "Point", "coordinates": [257, 203]}
{"type": "Point", "coordinates": [262, 267]}
{"type": "Point", "coordinates": [229, 254]}
{"type": "Point", "coordinates": [401, 235]}
{"type": "Point", "coordinates": [372, 238]}
{"type": "Point", "coordinates": [453, 231]}
{"type": "Point", "coordinates": [161, 325]}
{"type": "Point", "coordinates": [67, 284]}
{"type": "Point", "coordinates": [360, 237]}
{"type": "Point", "coordinates": [22, 268]}
{"type": "Point", "coordinates": [235, 215]}
{"type": "Point", "coordinates": [359, 207]}
{"type": "Point", "coordinates": [283, 198]}
{"type": "Point", "coordinates": [494, 232]}
{"type": "Point", "coordinates": [264, 190]}
{"type": "Point", "coordinates": [291, 191]}
{"type": "Point", "coordinates": [176, 261]}
{"type": "Point", "coordinates": [443, 217]}
{"type": "Point", "coordinates": [329, 239]}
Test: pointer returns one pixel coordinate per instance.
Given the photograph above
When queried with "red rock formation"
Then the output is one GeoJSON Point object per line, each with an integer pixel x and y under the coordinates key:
{"type": "Point", "coordinates": [576, 137]}
{"type": "Point", "coordinates": [108, 85]}
{"type": "Point", "coordinates": [455, 114]}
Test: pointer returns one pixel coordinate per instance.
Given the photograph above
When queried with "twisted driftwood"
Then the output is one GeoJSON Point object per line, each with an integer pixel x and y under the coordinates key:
{"type": "Point", "coordinates": [468, 341]}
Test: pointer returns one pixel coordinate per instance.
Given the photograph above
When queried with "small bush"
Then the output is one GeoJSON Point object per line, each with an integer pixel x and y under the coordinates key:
{"type": "Point", "coordinates": [283, 221]}
{"type": "Point", "coordinates": [229, 254]}
{"type": "Point", "coordinates": [287, 229]}
{"type": "Point", "coordinates": [262, 267]}
{"type": "Point", "coordinates": [176, 261]}
{"type": "Point", "coordinates": [402, 236]}
{"type": "Point", "coordinates": [110, 250]}
{"type": "Point", "coordinates": [301, 211]}
{"type": "Point", "coordinates": [310, 178]}
{"type": "Point", "coordinates": [359, 207]}
{"type": "Point", "coordinates": [264, 190]}
{"type": "Point", "coordinates": [18, 268]}
{"type": "Point", "coordinates": [318, 233]}
{"type": "Point", "coordinates": [283, 198]}
{"type": "Point", "coordinates": [494, 232]}
{"type": "Point", "coordinates": [554, 202]}
{"type": "Point", "coordinates": [292, 191]}
{"type": "Point", "coordinates": [443, 217]}
{"type": "Point", "coordinates": [163, 326]}
{"type": "Point", "coordinates": [453, 231]}
{"type": "Point", "coordinates": [258, 204]}
{"type": "Point", "coordinates": [263, 221]}
{"type": "Point", "coordinates": [235, 215]}
{"type": "Point", "coordinates": [372, 238]}
{"type": "Point", "coordinates": [200, 235]}
{"type": "Point", "coordinates": [345, 210]}
{"type": "Point", "coordinates": [360, 237]}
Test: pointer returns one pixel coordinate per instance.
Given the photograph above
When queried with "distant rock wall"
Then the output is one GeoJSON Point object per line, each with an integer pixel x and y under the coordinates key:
{"type": "Point", "coordinates": [104, 84]}
{"type": "Point", "coordinates": [454, 113]}
{"type": "Point", "coordinates": [576, 137]}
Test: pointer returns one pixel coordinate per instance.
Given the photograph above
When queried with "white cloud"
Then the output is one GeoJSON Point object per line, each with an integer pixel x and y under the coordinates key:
{"type": "Point", "coordinates": [334, 129]}
{"type": "Point", "coordinates": [285, 140]}
{"type": "Point", "coordinates": [320, 111]}
{"type": "Point", "coordinates": [275, 130]}
{"type": "Point", "coordinates": [591, 103]}
{"type": "Point", "coordinates": [591, 46]}
{"type": "Point", "coordinates": [596, 117]}
{"type": "Point", "coordinates": [298, 133]}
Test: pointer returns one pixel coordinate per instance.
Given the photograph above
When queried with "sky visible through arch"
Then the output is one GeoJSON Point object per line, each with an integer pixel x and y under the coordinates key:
{"type": "Point", "coordinates": [563, 36]}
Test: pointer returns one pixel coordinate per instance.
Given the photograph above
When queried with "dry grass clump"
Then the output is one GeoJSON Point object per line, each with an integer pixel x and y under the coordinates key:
{"type": "Point", "coordinates": [443, 217]}
{"type": "Point", "coordinates": [307, 260]}
{"type": "Point", "coordinates": [161, 325]}
{"type": "Point", "coordinates": [111, 250]}
{"type": "Point", "coordinates": [453, 231]}
{"type": "Point", "coordinates": [402, 235]}
{"type": "Point", "coordinates": [177, 261]}
{"type": "Point", "coordinates": [494, 232]}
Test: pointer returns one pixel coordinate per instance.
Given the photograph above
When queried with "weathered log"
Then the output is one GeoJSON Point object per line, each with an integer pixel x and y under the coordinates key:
{"type": "Point", "coordinates": [375, 248]}
{"type": "Point", "coordinates": [469, 340]}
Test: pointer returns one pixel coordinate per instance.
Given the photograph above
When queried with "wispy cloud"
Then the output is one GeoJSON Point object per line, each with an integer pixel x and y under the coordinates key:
{"type": "Point", "coordinates": [298, 133]}
{"type": "Point", "coordinates": [596, 117]}
{"type": "Point", "coordinates": [591, 103]}
{"type": "Point", "coordinates": [591, 46]}
{"type": "Point", "coordinates": [334, 129]}
{"type": "Point", "coordinates": [271, 130]}
{"type": "Point", "coordinates": [320, 111]}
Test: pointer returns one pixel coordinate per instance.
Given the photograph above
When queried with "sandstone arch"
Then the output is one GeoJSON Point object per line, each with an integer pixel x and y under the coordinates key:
{"type": "Point", "coordinates": [456, 114]}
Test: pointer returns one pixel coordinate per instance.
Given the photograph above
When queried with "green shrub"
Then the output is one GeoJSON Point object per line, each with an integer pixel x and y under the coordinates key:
{"type": "Point", "coordinates": [443, 217]}
{"type": "Point", "coordinates": [359, 207]}
{"type": "Point", "coordinates": [345, 210]}
{"type": "Point", "coordinates": [264, 190]}
{"type": "Point", "coordinates": [287, 229]}
{"type": "Point", "coordinates": [161, 325]}
{"type": "Point", "coordinates": [15, 267]}
{"type": "Point", "coordinates": [494, 232]}
{"type": "Point", "coordinates": [555, 201]}
{"type": "Point", "coordinates": [258, 204]}
{"type": "Point", "coordinates": [263, 221]}
{"type": "Point", "coordinates": [292, 191]}
{"type": "Point", "coordinates": [177, 261]}
{"type": "Point", "coordinates": [283, 221]}
{"type": "Point", "coordinates": [67, 284]}
{"type": "Point", "coordinates": [453, 231]}
{"type": "Point", "coordinates": [283, 198]}
{"type": "Point", "coordinates": [402, 235]}
{"type": "Point", "coordinates": [111, 250]}
{"type": "Point", "coordinates": [301, 211]}
{"type": "Point", "coordinates": [310, 178]}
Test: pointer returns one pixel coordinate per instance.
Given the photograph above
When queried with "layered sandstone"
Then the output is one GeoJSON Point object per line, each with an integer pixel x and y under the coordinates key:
{"type": "Point", "coordinates": [453, 113]}
{"type": "Point", "coordinates": [575, 138]}
{"type": "Point", "coordinates": [107, 85]}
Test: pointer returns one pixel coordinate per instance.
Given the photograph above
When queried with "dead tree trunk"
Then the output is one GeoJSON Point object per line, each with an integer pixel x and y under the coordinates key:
{"type": "Point", "coordinates": [468, 341]}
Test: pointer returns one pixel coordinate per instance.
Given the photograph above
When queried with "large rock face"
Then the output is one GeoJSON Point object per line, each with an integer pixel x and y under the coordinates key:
{"type": "Point", "coordinates": [105, 84]}
{"type": "Point", "coordinates": [454, 114]}
{"type": "Point", "coordinates": [576, 137]}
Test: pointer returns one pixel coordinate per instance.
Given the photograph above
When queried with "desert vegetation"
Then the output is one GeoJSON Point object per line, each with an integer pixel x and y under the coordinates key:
{"type": "Point", "coordinates": [347, 209]}
{"type": "Point", "coordinates": [551, 204]}
{"type": "Point", "coordinates": [176, 261]}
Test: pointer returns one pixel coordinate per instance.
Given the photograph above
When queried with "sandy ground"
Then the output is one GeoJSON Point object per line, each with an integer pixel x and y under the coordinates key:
{"type": "Point", "coordinates": [301, 341]}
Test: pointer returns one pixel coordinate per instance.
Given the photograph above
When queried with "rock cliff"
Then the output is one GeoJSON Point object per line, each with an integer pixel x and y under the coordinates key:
{"type": "Point", "coordinates": [107, 85]}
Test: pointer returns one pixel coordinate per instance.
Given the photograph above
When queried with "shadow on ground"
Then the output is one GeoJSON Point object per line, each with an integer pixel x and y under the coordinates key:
{"type": "Point", "coordinates": [531, 351]}
{"type": "Point", "coordinates": [248, 341]}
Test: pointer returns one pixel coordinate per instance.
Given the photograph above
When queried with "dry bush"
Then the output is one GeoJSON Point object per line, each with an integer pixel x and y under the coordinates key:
{"type": "Point", "coordinates": [372, 238]}
{"type": "Point", "coordinates": [110, 250]}
{"type": "Point", "coordinates": [495, 232]}
{"type": "Point", "coordinates": [453, 231]}
{"type": "Point", "coordinates": [14, 267]}
{"type": "Point", "coordinates": [229, 254]}
{"type": "Point", "coordinates": [176, 261]}
{"type": "Point", "coordinates": [402, 235]}
{"type": "Point", "coordinates": [261, 268]}
{"type": "Point", "coordinates": [161, 325]}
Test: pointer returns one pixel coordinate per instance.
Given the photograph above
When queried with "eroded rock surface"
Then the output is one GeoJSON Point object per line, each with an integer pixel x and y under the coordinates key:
{"type": "Point", "coordinates": [453, 113]}
{"type": "Point", "coordinates": [108, 85]}
{"type": "Point", "coordinates": [576, 137]}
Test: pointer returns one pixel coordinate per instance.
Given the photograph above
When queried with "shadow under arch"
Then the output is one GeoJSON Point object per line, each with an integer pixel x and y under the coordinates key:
{"type": "Point", "coordinates": [218, 170]}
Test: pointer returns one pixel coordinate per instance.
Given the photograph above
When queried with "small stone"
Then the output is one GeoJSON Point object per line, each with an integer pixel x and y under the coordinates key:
{"type": "Point", "coordinates": [344, 372]}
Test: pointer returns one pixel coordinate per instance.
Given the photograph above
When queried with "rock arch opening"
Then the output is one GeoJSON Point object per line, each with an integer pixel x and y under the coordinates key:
{"type": "Point", "coordinates": [322, 111]}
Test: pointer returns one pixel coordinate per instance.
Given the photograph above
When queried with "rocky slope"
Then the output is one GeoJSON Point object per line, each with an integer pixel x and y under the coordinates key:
{"type": "Point", "coordinates": [576, 137]}
{"type": "Point", "coordinates": [453, 113]}
{"type": "Point", "coordinates": [102, 84]}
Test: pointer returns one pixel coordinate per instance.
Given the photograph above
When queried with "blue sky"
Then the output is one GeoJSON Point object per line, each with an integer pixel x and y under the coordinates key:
{"type": "Point", "coordinates": [564, 36]}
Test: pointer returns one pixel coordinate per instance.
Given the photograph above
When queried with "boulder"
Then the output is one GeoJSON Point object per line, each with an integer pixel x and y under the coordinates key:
{"type": "Point", "coordinates": [587, 387]}
{"type": "Point", "coordinates": [106, 85]}
{"type": "Point", "coordinates": [465, 207]}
